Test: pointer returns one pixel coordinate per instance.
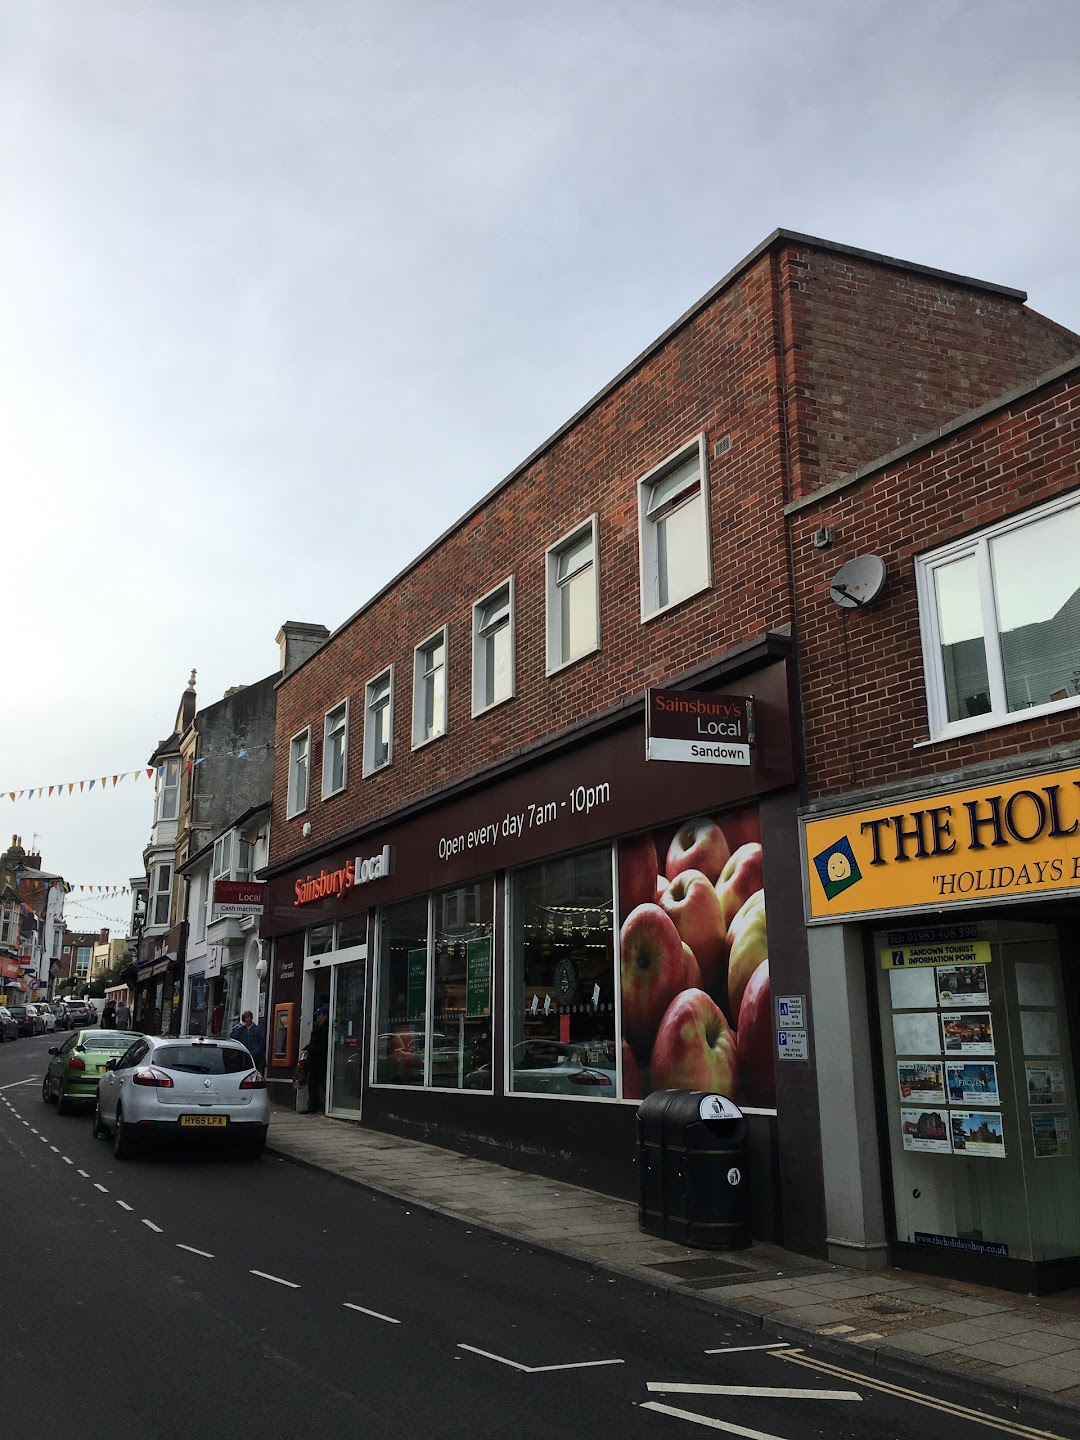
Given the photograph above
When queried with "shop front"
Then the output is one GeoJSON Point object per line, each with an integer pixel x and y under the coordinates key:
{"type": "Point", "coordinates": [511, 968]}
{"type": "Point", "coordinates": [945, 952]}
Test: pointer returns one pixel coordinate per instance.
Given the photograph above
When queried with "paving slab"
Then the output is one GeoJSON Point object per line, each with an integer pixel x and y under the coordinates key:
{"type": "Point", "coordinates": [917, 1343]}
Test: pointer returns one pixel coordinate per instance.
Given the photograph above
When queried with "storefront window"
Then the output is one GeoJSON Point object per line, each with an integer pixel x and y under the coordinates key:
{"type": "Point", "coordinates": [320, 939]}
{"type": "Point", "coordinates": [347, 1036]}
{"type": "Point", "coordinates": [401, 1038]}
{"type": "Point", "coordinates": [980, 1090]}
{"type": "Point", "coordinates": [562, 993]}
{"type": "Point", "coordinates": [461, 1037]}
{"type": "Point", "coordinates": [352, 931]}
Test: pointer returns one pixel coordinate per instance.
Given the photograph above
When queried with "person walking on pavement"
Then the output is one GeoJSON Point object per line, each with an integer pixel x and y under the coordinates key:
{"type": "Point", "coordinates": [217, 1018]}
{"type": "Point", "coordinates": [250, 1035]}
{"type": "Point", "coordinates": [316, 1052]}
{"type": "Point", "coordinates": [108, 1016]}
{"type": "Point", "coordinates": [123, 1015]}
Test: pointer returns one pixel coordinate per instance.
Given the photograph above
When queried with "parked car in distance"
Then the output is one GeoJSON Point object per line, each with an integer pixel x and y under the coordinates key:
{"type": "Point", "coordinates": [78, 1013]}
{"type": "Point", "coordinates": [56, 1010]}
{"type": "Point", "coordinates": [556, 1068]}
{"type": "Point", "coordinates": [27, 1021]}
{"type": "Point", "coordinates": [9, 1030]}
{"type": "Point", "coordinates": [179, 1088]}
{"type": "Point", "coordinates": [48, 1019]}
{"type": "Point", "coordinates": [77, 1066]}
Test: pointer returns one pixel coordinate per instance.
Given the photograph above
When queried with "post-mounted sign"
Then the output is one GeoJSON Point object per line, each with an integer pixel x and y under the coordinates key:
{"type": "Point", "coordinates": [700, 728]}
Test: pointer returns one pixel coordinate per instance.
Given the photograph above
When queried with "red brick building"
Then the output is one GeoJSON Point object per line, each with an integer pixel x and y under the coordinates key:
{"type": "Point", "coordinates": [941, 726]}
{"type": "Point", "coordinates": [466, 834]}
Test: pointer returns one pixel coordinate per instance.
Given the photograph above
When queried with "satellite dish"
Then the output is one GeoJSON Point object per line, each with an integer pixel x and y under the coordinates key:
{"type": "Point", "coordinates": [858, 582]}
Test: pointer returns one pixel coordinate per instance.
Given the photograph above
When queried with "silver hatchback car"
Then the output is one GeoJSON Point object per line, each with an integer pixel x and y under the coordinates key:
{"type": "Point", "coordinates": [179, 1087]}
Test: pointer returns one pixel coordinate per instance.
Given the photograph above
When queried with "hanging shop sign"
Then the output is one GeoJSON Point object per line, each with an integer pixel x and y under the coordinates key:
{"type": "Point", "coordinates": [9, 969]}
{"type": "Point", "coordinates": [1005, 841]}
{"type": "Point", "coordinates": [237, 897]}
{"type": "Point", "coordinates": [699, 728]}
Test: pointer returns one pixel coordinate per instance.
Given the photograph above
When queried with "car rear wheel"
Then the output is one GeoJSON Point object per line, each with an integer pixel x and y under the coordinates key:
{"type": "Point", "coordinates": [46, 1091]}
{"type": "Point", "coordinates": [63, 1104]}
{"type": "Point", "coordinates": [253, 1150]}
{"type": "Point", "coordinates": [124, 1147]}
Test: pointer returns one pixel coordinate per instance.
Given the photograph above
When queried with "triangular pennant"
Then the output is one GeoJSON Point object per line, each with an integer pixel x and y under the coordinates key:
{"type": "Point", "coordinates": [115, 778]}
{"type": "Point", "coordinates": [92, 784]}
{"type": "Point", "coordinates": [12, 794]}
{"type": "Point", "coordinates": [31, 795]}
{"type": "Point", "coordinates": [71, 786]}
{"type": "Point", "coordinates": [103, 779]}
{"type": "Point", "coordinates": [149, 772]}
{"type": "Point", "coordinates": [82, 785]}
{"type": "Point", "coordinates": [51, 789]}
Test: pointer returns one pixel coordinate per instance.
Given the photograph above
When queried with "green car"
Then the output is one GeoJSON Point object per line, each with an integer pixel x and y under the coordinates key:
{"type": "Point", "coordinates": [77, 1065]}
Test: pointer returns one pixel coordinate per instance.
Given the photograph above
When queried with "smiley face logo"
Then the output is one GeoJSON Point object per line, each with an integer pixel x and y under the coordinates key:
{"type": "Point", "coordinates": [837, 868]}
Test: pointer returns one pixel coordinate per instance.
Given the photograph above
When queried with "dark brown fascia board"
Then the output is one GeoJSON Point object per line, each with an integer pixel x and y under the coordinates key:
{"type": "Point", "coordinates": [739, 660]}
{"type": "Point", "coordinates": [933, 437]}
{"type": "Point", "coordinates": [776, 241]}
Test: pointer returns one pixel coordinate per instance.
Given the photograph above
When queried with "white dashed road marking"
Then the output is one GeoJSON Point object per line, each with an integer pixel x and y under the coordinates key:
{"type": "Point", "coordinates": [67, 1159]}
{"type": "Point", "coordinates": [739, 1349]}
{"type": "Point", "coordinates": [124, 1205]}
{"type": "Point", "coordinates": [373, 1313]}
{"type": "Point", "coordinates": [55, 1149]}
{"type": "Point", "coordinates": [151, 1226]}
{"type": "Point", "coordinates": [262, 1274]}
{"type": "Point", "coordinates": [98, 1186]}
{"type": "Point", "coordinates": [710, 1424]}
{"type": "Point", "coordinates": [191, 1250]}
{"type": "Point", "coordinates": [756, 1392]}
{"type": "Point", "coordinates": [536, 1369]}
{"type": "Point", "coordinates": [84, 1174]}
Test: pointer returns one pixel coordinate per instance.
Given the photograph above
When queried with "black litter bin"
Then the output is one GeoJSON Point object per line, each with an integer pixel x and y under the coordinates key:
{"type": "Point", "coordinates": [692, 1161]}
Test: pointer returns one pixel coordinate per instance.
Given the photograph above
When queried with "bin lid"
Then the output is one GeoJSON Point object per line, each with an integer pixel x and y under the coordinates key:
{"type": "Point", "coordinates": [718, 1107]}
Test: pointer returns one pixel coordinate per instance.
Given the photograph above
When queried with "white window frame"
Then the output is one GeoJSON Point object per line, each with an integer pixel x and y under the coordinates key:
{"type": "Point", "coordinates": [157, 893]}
{"type": "Point", "coordinates": [342, 708]}
{"type": "Point", "coordinates": [977, 546]}
{"type": "Point", "coordinates": [167, 768]}
{"type": "Point", "coordinates": [420, 674]}
{"type": "Point", "coordinates": [648, 567]}
{"type": "Point", "coordinates": [370, 768]}
{"type": "Point", "coordinates": [291, 807]}
{"type": "Point", "coordinates": [479, 673]}
{"type": "Point", "coordinates": [555, 659]}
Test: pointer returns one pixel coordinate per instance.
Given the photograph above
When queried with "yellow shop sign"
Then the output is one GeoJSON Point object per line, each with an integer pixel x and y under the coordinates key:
{"type": "Point", "coordinates": [1003, 841]}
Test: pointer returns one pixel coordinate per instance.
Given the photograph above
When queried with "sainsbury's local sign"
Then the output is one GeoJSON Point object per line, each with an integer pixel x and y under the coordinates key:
{"type": "Point", "coordinates": [360, 871]}
{"type": "Point", "coordinates": [697, 727]}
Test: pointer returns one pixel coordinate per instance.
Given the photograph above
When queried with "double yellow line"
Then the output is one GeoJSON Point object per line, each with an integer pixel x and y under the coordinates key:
{"type": "Point", "coordinates": [961, 1412]}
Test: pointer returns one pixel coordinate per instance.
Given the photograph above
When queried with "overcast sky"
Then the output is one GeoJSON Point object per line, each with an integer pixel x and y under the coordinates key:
{"type": "Point", "coordinates": [285, 285]}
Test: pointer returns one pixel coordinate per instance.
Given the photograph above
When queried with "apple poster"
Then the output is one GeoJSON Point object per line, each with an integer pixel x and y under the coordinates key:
{"type": "Point", "coordinates": [694, 961]}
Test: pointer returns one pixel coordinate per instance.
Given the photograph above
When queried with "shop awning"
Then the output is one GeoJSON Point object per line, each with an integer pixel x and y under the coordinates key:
{"type": "Point", "coordinates": [154, 971]}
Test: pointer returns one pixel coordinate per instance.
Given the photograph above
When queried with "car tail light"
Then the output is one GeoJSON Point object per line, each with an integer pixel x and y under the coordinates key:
{"type": "Point", "coordinates": [254, 1081]}
{"type": "Point", "coordinates": [590, 1077]}
{"type": "Point", "coordinates": [76, 1063]}
{"type": "Point", "coordinates": [149, 1075]}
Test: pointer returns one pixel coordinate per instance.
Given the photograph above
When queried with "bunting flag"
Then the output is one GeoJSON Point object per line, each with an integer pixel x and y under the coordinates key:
{"type": "Point", "coordinates": [44, 792]}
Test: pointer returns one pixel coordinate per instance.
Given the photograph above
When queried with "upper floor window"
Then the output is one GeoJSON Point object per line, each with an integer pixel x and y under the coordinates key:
{"type": "Point", "coordinates": [161, 895]}
{"type": "Point", "coordinates": [82, 961]}
{"type": "Point", "coordinates": [9, 924]}
{"type": "Point", "coordinates": [335, 750]}
{"type": "Point", "coordinates": [299, 772]}
{"type": "Point", "coordinates": [673, 517]}
{"type": "Point", "coordinates": [573, 597]}
{"type": "Point", "coordinates": [1000, 615]}
{"type": "Point", "coordinates": [493, 648]}
{"type": "Point", "coordinates": [379, 722]}
{"type": "Point", "coordinates": [245, 858]}
{"type": "Point", "coordinates": [169, 790]}
{"type": "Point", "coordinates": [429, 689]}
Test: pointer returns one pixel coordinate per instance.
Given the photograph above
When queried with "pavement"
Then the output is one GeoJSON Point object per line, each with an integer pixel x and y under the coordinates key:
{"type": "Point", "coordinates": [1022, 1348]}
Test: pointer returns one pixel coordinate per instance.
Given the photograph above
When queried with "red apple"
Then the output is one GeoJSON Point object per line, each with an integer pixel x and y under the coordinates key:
{"type": "Point", "coordinates": [633, 1081]}
{"type": "Point", "coordinates": [692, 977]}
{"type": "Point", "coordinates": [748, 947]}
{"type": "Point", "coordinates": [740, 877]}
{"type": "Point", "coordinates": [654, 970]}
{"type": "Point", "coordinates": [695, 1048]}
{"type": "Point", "coordinates": [692, 902]}
{"type": "Point", "coordinates": [637, 872]}
{"type": "Point", "coordinates": [754, 1041]}
{"type": "Point", "coordinates": [662, 883]}
{"type": "Point", "coordinates": [698, 844]}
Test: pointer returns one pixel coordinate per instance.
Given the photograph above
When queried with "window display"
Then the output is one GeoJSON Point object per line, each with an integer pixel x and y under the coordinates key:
{"type": "Point", "coordinates": [461, 1037]}
{"type": "Point", "coordinates": [694, 962]}
{"type": "Point", "coordinates": [401, 1036]}
{"type": "Point", "coordinates": [562, 995]}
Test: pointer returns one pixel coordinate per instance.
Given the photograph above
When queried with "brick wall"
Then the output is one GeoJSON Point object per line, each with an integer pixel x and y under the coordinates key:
{"type": "Point", "coordinates": [863, 689]}
{"type": "Point", "coordinates": [758, 365]}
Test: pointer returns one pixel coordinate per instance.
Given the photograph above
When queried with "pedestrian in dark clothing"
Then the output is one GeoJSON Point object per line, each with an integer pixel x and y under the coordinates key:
{"type": "Point", "coordinates": [123, 1016]}
{"type": "Point", "coordinates": [108, 1016]}
{"type": "Point", "coordinates": [250, 1035]}
{"type": "Point", "coordinates": [316, 1053]}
